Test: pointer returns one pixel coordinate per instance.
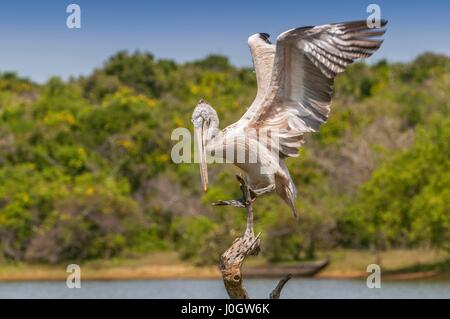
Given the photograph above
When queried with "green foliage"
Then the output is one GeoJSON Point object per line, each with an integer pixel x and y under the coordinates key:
{"type": "Point", "coordinates": [137, 70]}
{"type": "Point", "coordinates": [406, 200]}
{"type": "Point", "coordinates": [49, 216]}
{"type": "Point", "coordinates": [214, 63]}
{"type": "Point", "coordinates": [190, 234]}
{"type": "Point", "coordinates": [424, 67]}
{"type": "Point", "coordinates": [85, 169]}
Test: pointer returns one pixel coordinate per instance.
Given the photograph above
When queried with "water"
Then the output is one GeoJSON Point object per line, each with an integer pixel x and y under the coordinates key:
{"type": "Point", "coordinates": [257, 288]}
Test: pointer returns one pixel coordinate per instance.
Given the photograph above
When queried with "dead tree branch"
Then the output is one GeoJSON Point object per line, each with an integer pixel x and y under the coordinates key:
{"type": "Point", "coordinates": [276, 292]}
{"type": "Point", "coordinates": [232, 259]}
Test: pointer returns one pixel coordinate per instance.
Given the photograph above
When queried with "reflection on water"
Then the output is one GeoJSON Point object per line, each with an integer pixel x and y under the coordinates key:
{"type": "Point", "coordinates": [258, 288]}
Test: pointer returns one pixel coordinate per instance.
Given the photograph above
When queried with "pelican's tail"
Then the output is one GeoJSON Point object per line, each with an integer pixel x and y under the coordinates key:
{"type": "Point", "coordinates": [290, 200]}
{"type": "Point", "coordinates": [287, 190]}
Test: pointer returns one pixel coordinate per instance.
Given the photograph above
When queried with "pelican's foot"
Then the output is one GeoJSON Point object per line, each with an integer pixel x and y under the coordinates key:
{"type": "Point", "coordinates": [232, 202]}
{"type": "Point", "coordinates": [261, 191]}
{"type": "Point", "coordinates": [249, 196]}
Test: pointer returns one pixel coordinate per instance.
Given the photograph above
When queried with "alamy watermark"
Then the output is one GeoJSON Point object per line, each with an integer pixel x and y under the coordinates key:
{"type": "Point", "coordinates": [256, 146]}
{"type": "Point", "coordinates": [374, 19]}
{"type": "Point", "coordinates": [74, 278]}
{"type": "Point", "coordinates": [73, 21]}
{"type": "Point", "coordinates": [374, 279]}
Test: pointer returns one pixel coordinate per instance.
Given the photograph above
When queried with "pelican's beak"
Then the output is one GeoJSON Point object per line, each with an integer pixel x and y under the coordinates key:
{"type": "Point", "coordinates": [200, 133]}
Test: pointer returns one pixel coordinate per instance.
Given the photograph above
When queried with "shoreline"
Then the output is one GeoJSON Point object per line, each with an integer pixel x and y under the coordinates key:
{"type": "Point", "coordinates": [194, 273]}
{"type": "Point", "coordinates": [345, 264]}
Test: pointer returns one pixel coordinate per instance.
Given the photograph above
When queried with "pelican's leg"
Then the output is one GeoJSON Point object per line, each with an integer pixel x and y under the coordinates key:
{"type": "Point", "coordinates": [262, 191]}
{"type": "Point", "coordinates": [241, 202]}
{"type": "Point", "coordinates": [254, 193]}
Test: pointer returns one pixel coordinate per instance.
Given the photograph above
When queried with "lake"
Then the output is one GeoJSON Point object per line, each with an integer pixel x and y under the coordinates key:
{"type": "Point", "coordinates": [257, 288]}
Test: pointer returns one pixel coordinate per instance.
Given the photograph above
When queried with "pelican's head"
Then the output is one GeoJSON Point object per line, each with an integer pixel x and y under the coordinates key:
{"type": "Point", "coordinates": [206, 122]}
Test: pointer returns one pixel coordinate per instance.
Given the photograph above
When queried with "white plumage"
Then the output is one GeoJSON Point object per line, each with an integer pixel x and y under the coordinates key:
{"type": "Point", "coordinates": [295, 86]}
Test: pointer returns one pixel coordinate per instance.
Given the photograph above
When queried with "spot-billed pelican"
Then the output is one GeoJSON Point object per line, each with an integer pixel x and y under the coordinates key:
{"type": "Point", "coordinates": [295, 84]}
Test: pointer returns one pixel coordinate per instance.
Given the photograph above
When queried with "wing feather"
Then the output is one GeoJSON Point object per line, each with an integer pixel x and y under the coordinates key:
{"type": "Point", "coordinates": [263, 55]}
{"type": "Point", "coordinates": [306, 61]}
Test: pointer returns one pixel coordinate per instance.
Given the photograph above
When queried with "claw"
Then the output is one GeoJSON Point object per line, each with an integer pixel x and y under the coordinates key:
{"type": "Point", "coordinates": [232, 202]}
{"type": "Point", "coordinates": [254, 193]}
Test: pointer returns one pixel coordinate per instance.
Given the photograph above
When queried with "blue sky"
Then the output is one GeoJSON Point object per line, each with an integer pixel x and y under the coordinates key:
{"type": "Point", "coordinates": [36, 43]}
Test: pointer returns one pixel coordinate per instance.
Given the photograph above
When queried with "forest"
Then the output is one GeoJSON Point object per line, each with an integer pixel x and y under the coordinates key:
{"type": "Point", "coordinates": [86, 172]}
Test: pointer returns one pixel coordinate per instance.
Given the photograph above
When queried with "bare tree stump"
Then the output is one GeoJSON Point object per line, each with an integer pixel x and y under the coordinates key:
{"type": "Point", "coordinates": [232, 259]}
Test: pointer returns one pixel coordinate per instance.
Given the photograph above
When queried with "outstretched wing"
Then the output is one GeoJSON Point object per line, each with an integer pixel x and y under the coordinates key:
{"type": "Point", "coordinates": [263, 55]}
{"type": "Point", "coordinates": [306, 62]}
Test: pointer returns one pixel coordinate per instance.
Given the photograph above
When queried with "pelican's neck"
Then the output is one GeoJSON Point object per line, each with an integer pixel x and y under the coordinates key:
{"type": "Point", "coordinates": [213, 127]}
{"type": "Point", "coordinates": [214, 121]}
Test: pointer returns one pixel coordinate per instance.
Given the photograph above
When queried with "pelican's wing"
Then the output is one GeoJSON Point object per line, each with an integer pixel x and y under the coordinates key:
{"type": "Point", "coordinates": [306, 62]}
{"type": "Point", "coordinates": [263, 55]}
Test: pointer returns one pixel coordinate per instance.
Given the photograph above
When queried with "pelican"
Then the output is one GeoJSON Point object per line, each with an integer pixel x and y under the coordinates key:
{"type": "Point", "coordinates": [295, 85]}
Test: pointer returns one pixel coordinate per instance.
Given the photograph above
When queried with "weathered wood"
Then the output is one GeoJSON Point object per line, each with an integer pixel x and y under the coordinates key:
{"type": "Point", "coordinates": [232, 259]}
{"type": "Point", "coordinates": [275, 294]}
